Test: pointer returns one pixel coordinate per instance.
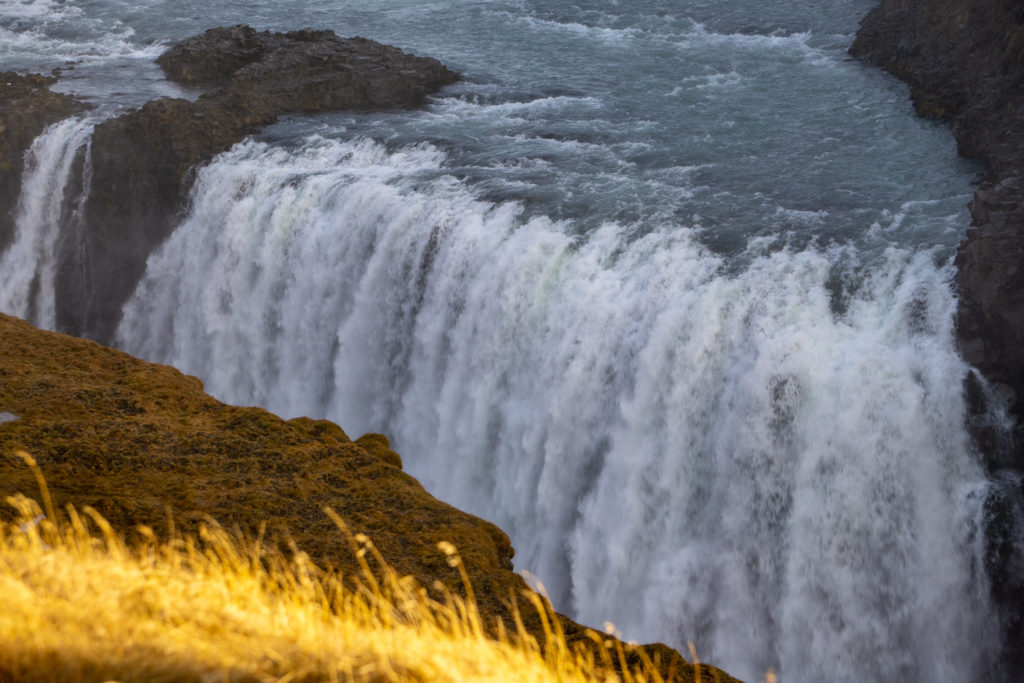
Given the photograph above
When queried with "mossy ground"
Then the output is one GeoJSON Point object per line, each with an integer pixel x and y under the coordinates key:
{"type": "Point", "coordinates": [144, 445]}
{"type": "Point", "coordinates": [82, 605]}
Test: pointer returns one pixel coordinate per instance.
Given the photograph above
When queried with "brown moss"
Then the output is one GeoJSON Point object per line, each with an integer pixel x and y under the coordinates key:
{"type": "Point", "coordinates": [143, 444]}
{"type": "Point", "coordinates": [380, 446]}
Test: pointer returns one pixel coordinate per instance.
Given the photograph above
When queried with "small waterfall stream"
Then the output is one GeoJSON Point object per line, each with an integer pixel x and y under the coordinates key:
{"type": "Point", "coordinates": [45, 219]}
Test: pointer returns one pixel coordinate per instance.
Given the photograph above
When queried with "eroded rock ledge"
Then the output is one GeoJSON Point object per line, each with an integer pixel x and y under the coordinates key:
{"type": "Point", "coordinates": [964, 62]}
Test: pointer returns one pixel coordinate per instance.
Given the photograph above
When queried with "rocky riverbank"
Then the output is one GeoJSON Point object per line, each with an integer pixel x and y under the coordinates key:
{"type": "Point", "coordinates": [964, 62]}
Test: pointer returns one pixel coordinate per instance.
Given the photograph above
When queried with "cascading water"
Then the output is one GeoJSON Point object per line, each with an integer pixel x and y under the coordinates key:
{"type": "Point", "coordinates": [45, 219]}
{"type": "Point", "coordinates": [730, 458]}
{"type": "Point", "coordinates": [666, 295]}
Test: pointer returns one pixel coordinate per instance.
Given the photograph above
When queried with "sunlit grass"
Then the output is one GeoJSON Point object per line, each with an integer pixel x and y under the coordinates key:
{"type": "Point", "coordinates": [80, 603]}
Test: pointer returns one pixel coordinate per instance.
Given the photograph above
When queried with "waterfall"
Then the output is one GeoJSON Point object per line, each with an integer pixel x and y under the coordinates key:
{"type": "Point", "coordinates": [750, 457]}
{"type": "Point", "coordinates": [45, 219]}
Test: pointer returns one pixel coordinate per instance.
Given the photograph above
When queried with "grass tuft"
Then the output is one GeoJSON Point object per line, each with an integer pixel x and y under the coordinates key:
{"type": "Point", "coordinates": [80, 603]}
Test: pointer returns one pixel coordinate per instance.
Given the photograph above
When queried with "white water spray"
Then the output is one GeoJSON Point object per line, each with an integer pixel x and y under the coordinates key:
{"type": "Point", "coordinates": [29, 264]}
{"type": "Point", "coordinates": [692, 454]}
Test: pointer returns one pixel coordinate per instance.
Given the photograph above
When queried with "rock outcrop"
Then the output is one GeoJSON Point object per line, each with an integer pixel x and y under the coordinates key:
{"type": "Point", "coordinates": [302, 71]}
{"type": "Point", "coordinates": [964, 62]}
{"type": "Point", "coordinates": [141, 160]}
{"type": "Point", "coordinates": [143, 444]}
{"type": "Point", "coordinates": [27, 106]}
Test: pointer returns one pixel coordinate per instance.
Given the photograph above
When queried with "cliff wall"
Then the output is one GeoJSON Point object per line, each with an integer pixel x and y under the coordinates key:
{"type": "Point", "coordinates": [964, 62]}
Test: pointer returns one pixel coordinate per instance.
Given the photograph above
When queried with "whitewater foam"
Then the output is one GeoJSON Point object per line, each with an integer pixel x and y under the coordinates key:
{"type": "Point", "coordinates": [698, 453]}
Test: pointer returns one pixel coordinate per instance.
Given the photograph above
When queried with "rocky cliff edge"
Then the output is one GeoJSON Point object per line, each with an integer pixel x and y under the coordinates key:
{"type": "Point", "coordinates": [143, 444]}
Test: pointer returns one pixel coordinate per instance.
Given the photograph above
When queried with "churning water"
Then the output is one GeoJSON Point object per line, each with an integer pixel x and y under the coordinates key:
{"type": "Point", "coordinates": [662, 291]}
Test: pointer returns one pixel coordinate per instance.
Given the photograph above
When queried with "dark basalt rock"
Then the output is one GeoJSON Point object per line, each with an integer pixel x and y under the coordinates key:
{"type": "Point", "coordinates": [142, 159]}
{"type": "Point", "coordinates": [964, 62]}
{"type": "Point", "coordinates": [303, 71]}
{"type": "Point", "coordinates": [27, 106]}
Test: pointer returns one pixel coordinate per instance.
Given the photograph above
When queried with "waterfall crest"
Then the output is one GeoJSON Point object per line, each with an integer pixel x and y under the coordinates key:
{"type": "Point", "coordinates": [755, 459]}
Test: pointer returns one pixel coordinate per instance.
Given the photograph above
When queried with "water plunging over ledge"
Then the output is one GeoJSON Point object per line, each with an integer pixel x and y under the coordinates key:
{"type": "Point", "coordinates": [665, 294]}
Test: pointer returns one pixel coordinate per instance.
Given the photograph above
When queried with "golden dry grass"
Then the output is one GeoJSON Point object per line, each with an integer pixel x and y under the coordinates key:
{"type": "Point", "coordinates": [82, 604]}
{"type": "Point", "coordinates": [142, 443]}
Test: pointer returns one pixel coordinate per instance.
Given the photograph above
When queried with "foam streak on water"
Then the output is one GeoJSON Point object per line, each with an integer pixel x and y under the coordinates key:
{"type": "Point", "coordinates": [44, 220]}
{"type": "Point", "coordinates": [696, 453]}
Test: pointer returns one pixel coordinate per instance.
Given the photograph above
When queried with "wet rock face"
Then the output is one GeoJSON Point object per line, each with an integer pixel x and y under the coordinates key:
{"type": "Point", "coordinates": [990, 319]}
{"type": "Point", "coordinates": [27, 106]}
{"type": "Point", "coordinates": [141, 160]}
{"type": "Point", "coordinates": [964, 62]}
